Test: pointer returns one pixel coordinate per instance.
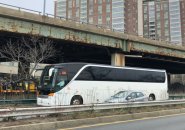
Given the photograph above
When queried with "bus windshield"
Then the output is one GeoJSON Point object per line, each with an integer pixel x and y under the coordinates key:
{"type": "Point", "coordinates": [53, 79]}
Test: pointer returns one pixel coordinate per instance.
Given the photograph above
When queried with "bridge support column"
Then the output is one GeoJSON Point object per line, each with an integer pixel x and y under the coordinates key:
{"type": "Point", "coordinates": [118, 59]}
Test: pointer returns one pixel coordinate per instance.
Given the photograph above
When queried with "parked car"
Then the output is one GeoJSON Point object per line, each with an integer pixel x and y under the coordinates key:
{"type": "Point", "coordinates": [127, 96]}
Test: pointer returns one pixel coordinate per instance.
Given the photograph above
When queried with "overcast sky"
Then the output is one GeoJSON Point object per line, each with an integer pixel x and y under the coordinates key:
{"type": "Point", "coordinates": [32, 4]}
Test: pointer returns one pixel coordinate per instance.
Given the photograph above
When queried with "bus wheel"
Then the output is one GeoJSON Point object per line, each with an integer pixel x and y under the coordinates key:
{"type": "Point", "coordinates": [151, 97]}
{"type": "Point", "coordinates": [76, 100]}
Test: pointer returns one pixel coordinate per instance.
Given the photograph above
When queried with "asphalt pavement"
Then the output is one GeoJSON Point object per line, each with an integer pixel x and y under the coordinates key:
{"type": "Point", "coordinates": [175, 122]}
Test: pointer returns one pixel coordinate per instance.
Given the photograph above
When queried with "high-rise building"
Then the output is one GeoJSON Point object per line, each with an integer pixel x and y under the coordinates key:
{"type": "Point", "coordinates": [119, 15]}
{"type": "Point", "coordinates": [90, 11]}
{"type": "Point", "coordinates": [164, 20]}
{"type": "Point", "coordinates": [134, 17]}
{"type": "Point", "coordinates": [175, 21]}
{"type": "Point", "coordinates": [182, 8]}
{"type": "Point", "coordinates": [149, 20]}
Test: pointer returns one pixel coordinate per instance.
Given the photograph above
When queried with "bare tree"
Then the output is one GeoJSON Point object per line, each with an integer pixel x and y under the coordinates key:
{"type": "Point", "coordinates": [28, 50]}
{"type": "Point", "coordinates": [37, 51]}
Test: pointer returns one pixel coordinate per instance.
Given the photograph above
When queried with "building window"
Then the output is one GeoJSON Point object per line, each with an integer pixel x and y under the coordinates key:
{"type": "Point", "coordinates": [91, 20]}
{"type": "Point", "coordinates": [100, 9]}
{"type": "Point", "coordinates": [158, 7]}
{"type": "Point", "coordinates": [108, 8]}
{"type": "Point", "coordinates": [99, 1]}
{"type": "Point", "coordinates": [158, 16]}
{"type": "Point", "coordinates": [99, 19]}
{"type": "Point", "coordinates": [107, 1]}
{"type": "Point", "coordinates": [70, 3]}
{"type": "Point", "coordinates": [70, 13]}
{"type": "Point", "coordinates": [165, 7]}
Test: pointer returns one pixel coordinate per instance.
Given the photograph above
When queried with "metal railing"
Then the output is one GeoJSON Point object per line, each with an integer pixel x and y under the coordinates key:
{"type": "Point", "coordinates": [82, 22]}
{"type": "Point", "coordinates": [31, 112]}
{"type": "Point", "coordinates": [20, 8]}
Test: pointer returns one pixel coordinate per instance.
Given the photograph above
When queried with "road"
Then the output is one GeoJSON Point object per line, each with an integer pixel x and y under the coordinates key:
{"type": "Point", "coordinates": [175, 122]}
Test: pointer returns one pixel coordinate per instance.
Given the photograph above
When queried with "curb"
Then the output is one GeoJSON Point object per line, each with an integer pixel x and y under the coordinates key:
{"type": "Point", "coordinates": [90, 121]}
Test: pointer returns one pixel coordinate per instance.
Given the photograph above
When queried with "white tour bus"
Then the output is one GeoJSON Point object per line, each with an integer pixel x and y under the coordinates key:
{"type": "Point", "coordinates": [81, 83]}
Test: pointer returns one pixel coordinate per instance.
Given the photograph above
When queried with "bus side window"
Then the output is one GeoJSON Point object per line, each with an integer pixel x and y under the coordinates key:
{"type": "Point", "coordinates": [85, 75]}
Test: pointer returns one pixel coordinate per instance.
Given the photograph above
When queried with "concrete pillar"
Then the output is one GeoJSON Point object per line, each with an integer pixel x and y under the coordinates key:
{"type": "Point", "coordinates": [118, 59]}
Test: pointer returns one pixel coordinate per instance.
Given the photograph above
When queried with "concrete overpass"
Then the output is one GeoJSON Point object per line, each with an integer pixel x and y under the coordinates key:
{"type": "Point", "coordinates": [137, 50]}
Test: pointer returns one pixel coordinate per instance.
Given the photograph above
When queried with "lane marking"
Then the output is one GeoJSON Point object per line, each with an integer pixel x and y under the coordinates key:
{"type": "Point", "coordinates": [117, 122]}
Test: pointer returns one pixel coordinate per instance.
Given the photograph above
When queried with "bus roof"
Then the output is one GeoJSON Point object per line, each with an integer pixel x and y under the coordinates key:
{"type": "Point", "coordinates": [109, 66]}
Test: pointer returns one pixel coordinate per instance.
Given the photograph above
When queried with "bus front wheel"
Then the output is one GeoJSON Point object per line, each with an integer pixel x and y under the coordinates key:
{"type": "Point", "coordinates": [151, 97]}
{"type": "Point", "coordinates": [76, 100]}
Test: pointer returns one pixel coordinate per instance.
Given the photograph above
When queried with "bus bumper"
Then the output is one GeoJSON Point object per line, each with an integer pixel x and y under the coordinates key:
{"type": "Point", "coordinates": [45, 101]}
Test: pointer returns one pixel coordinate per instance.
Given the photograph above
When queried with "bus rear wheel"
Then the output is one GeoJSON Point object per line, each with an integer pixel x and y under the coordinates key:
{"type": "Point", "coordinates": [151, 97]}
{"type": "Point", "coordinates": [76, 100]}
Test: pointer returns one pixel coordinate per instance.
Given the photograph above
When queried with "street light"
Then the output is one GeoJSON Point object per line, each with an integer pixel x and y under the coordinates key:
{"type": "Point", "coordinates": [44, 7]}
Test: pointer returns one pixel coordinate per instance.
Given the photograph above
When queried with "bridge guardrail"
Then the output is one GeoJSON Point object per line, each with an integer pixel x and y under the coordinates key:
{"type": "Point", "coordinates": [20, 8]}
{"type": "Point", "coordinates": [21, 112]}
